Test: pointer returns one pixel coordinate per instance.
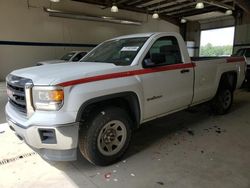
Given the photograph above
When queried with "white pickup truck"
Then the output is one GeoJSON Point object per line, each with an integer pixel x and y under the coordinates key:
{"type": "Point", "coordinates": [97, 103]}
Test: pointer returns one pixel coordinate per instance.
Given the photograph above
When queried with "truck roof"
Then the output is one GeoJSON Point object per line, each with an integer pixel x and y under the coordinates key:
{"type": "Point", "coordinates": [143, 35]}
{"type": "Point", "coordinates": [135, 35]}
{"type": "Point", "coordinates": [78, 51]}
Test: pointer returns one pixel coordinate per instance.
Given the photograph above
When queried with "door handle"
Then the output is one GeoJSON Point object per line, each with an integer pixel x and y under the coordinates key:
{"type": "Point", "coordinates": [185, 71]}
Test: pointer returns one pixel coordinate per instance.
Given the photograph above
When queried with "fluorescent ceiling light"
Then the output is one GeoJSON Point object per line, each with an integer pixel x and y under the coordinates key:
{"type": "Point", "coordinates": [229, 12]}
{"type": "Point", "coordinates": [114, 8]}
{"type": "Point", "coordinates": [199, 5]}
{"type": "Point", "coordinates": [183, 20]}
{"type": "Point", "coordinates": [81, 16]}
{"type": "Point", "coordinates": [155, 15]}
{"type": "Point", "coordinates": [55, 1]}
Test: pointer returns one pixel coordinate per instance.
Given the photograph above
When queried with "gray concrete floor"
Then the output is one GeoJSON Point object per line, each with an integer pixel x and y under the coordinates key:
{"type": "Point", "coordinates": [188, 149]}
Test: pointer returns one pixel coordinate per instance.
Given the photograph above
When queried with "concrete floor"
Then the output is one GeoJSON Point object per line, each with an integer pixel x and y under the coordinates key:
{"type": "Point", "coordinates": [188, 149]}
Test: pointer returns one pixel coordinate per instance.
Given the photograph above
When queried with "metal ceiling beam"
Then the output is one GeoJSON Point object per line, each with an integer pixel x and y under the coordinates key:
{"type": "Point", "coordinates": [157, 4]}
{"type": "Point", "coordinates": [197, 12]}
{"type": "Point", "coordinates": [244, 5]}
{"type": "Point", "coordinates": [191, 8]}
{"type": "Point", "coordinates": [121, 1]}
{"type": "Point", "coordinates": [80, 16]}
{"type": "Point", "coordinates": [133, 9]}
{"type": "Point", "coordinates": [165, 4]}
{"type": "Point", "coordinates": [173, 8]}
{"type": "Point", "coordinates": [143, 5]}
{"type": "Point", "coordinates": [136, 3]}
{"type": "Point", "coordinates": [131, 3]}
{"type": "Point", "coordinates": [186, 9]}
{"type": "Point", "coordinates": [219, 4]}
{"type": "Point", "coordinates": [95, 2]}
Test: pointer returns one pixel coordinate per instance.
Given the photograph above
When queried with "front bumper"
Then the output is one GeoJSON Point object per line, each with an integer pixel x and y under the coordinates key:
{"type": "Point", "coordinates": [53, 142]}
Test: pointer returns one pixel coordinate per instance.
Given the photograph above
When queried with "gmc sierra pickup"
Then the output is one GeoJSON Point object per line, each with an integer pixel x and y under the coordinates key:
{"type": "Point", "coordinates": [97, 103]}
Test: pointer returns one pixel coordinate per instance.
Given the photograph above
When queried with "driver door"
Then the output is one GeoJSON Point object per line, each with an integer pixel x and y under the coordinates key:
{"type": "Point", "coordinates": [169, 85]}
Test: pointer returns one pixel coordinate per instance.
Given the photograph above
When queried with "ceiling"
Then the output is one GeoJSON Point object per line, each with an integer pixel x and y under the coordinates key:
{"type": "Point", "coordinates": [171, 10]}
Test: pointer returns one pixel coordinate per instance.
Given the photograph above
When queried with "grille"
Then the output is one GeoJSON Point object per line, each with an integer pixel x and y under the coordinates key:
{"type": "Point", "coordinates": [16, 92]}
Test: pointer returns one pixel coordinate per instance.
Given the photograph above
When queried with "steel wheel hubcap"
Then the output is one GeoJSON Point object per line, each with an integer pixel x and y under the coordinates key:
{"type": "Point", "coordinates": [227, 99]}
{"type": "Point", "coordinates": [112, 138]}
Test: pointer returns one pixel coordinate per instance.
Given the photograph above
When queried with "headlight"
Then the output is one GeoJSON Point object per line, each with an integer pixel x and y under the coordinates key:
{"type": "Point", "coordinates": [47, 98]}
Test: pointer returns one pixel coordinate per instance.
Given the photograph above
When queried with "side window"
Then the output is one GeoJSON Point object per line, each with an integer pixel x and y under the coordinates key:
{"type": "Point", "coordinates": [79, 56]}
{"type": "Point", "coordinates": [247, 53]}
{"type": "Point", "coordinates": [165, 51]}
{"type": "Point", "coordinates": [240, 52]}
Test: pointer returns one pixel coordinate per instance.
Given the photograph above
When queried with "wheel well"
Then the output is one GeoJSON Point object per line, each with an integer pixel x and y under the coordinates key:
{"type": "Point", "coordinates": [228, 79]}
{"type": "Point", "coordinates": [127, 101]}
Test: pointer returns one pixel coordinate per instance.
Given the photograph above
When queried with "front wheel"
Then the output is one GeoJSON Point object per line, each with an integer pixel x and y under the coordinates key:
{"type": "Point", "coordinates": [105, 137]}
{"type": "Point", "coordinates": [223, 100]}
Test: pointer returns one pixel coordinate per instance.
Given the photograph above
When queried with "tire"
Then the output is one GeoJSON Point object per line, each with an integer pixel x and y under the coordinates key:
{"type": "Point", "coordinates": [223, 100]}
{"type": "Point", "coordinates": [106, 135]}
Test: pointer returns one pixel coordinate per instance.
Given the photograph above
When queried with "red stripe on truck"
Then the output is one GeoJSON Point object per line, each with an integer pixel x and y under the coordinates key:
{"type": "Point", "coordinates": [235, 59]}
{"type": "Point", "coordinates": [127, 74]}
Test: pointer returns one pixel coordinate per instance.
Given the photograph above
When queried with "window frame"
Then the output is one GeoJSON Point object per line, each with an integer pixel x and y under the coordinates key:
{"type": "Point", "coordinates": [163, 64]}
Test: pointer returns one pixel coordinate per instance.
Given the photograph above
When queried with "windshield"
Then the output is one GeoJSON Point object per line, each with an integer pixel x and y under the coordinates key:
{"type": "Point", "coordinates": [67, 56]}
{"type": "Point", "coordinates": [119, 52]}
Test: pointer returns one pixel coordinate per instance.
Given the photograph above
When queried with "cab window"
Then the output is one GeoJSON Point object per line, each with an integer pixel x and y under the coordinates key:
{"type": "Point", "coordinates": [165, 51]}
{"type": "Point", "coordinates": [240, 52]}
{"type": "Point", "coordinates": [247, 53]}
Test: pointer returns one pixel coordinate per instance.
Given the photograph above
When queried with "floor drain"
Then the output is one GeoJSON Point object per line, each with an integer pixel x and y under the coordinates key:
{"type": "Point", "coordinates": [5, 161]}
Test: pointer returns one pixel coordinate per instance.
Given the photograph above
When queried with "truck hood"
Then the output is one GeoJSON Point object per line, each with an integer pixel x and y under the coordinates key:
{"type": "Point", "coordinates": [63, 72]}
{"type": "Point", "coordinates": [50, 62]}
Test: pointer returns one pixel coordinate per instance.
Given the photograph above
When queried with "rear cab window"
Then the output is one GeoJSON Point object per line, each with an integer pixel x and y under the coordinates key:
{"type": "Point", "coordinates": [68, 56]}
{"type": "Point", "coordinates": [79, 56]}
{"type": "Point", "coordinates": [247, 53]}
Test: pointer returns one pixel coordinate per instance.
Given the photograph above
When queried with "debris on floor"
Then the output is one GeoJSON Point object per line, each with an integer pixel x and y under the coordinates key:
{"type": "Point", "coordinates": [189, 131]}
{"type": "Point", "coordinates": [218, 131]}
{"type": "Point", "coordinates": [215, 128]}
{"type": "Point", "coordinates": [107, 176]}
{"type": "Point", "coordinates": [5, 161]}
{"type": "Point", "coordinates": [160, 182]}
{"type": "Point", "coordinates": [92, 176]}
{"type": "Point", "coordinates": [132, 174]}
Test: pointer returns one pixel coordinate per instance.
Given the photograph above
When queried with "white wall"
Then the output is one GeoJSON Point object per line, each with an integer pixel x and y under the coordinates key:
{"type": "Point", "coordinates": [20, 23]}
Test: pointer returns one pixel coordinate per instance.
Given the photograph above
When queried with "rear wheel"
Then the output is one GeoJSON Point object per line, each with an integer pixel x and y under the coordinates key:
{"type": "Point", "coordinates": [105, 137]}
{"type": "Point", "coordinates": [223, 100]}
